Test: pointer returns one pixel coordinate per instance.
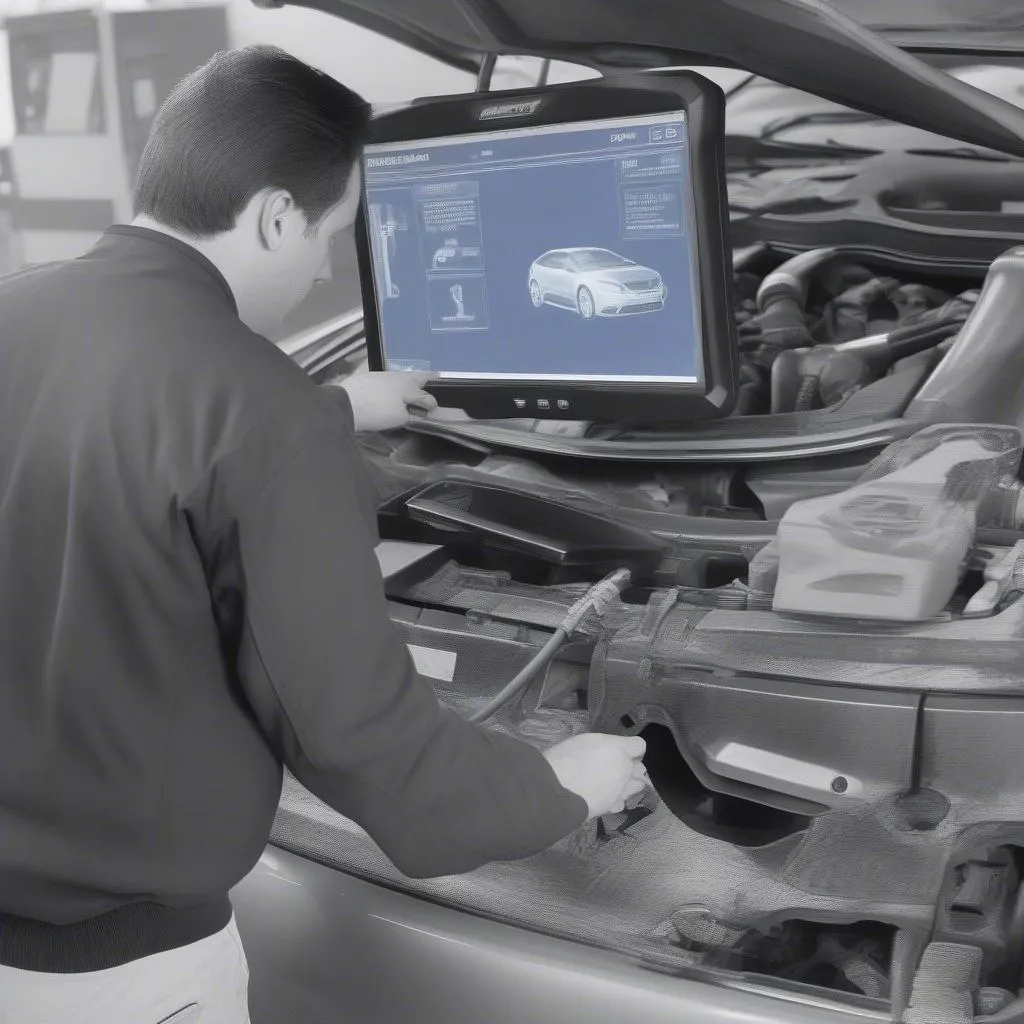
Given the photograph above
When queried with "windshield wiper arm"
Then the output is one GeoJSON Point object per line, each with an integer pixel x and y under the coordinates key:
{"type": "Point", "coordinates": [744, 147]}
{"type": "Point", "coordinates": [818, 117]}
{"type": "Point", "coordinates": [992, 22]}
{"type": "Point", "coordinates": [963, 153]}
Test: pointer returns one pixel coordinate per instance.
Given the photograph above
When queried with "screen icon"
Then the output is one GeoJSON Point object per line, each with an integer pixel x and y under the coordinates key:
{"type": "Point", "coordinates": [543, 403]}
{"type": "Point", "coordinates": [563, 403]}
{"type": "Point", "coordinates": [520, 403]}
{"type": "Point", "coordinates": [664, 134]}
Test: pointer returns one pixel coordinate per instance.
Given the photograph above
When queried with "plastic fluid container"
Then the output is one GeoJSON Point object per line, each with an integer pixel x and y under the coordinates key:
{"type": "Point", "coordinates": [893, 546]}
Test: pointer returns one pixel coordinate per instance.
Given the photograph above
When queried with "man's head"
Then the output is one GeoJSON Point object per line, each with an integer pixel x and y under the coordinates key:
{"type": "Point", "coordinates": [253, 159]}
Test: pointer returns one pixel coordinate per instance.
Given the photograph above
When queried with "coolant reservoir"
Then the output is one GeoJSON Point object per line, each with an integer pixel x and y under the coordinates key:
{"type": "Point", "coordinates": [893, 546]}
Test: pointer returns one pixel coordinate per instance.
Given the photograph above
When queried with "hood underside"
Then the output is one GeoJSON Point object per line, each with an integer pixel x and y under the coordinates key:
{"type": "Point", "coordinates": [807, 44]}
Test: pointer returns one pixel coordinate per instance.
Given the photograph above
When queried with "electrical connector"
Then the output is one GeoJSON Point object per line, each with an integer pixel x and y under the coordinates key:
{"type": "Point", "coordinates": [598, 598]}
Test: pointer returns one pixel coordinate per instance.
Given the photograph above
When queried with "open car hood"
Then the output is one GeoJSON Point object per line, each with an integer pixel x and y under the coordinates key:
{"type": "Point", "coordinates": [807, 44]}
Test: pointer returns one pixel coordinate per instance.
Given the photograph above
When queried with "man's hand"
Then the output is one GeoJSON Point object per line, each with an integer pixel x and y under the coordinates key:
{"type": "Point", "coordinates": [383, 400]}
{"type": "Point", "coordinates": [606, 771]}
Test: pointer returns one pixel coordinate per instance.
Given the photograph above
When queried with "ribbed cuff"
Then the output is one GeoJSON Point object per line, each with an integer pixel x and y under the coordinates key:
{"type": "Point", "coordinates": [118, 937]}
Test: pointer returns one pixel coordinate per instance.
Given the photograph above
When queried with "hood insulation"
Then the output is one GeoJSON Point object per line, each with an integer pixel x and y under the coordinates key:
{"type": "Point", "coordinates": [807, 44]}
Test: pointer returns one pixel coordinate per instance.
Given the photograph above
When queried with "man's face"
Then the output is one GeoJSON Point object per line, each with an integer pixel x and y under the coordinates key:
{"type": "Point", "coordinates": [304, 255]}
{"type": "Point", "coordinates": [316, 260]}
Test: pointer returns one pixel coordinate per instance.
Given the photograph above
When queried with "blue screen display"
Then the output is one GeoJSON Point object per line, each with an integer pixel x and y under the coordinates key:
{"type": "Point", "coordinates": [553, 253]}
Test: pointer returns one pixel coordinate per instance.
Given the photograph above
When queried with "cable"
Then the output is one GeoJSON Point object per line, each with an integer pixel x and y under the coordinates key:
{"type": "Point", "coordinates": [806, 378]}
{"type": "Point", "coordinates": [927, 336]}
{"type": "Point", "coordinates": [523, 676]}
{"type": "Point", "coordinates": [598, 598]}
{"type": "Point", "coordinates": [733, 89]}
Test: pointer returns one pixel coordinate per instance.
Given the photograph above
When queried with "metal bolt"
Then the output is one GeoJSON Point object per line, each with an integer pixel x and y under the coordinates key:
{"type": "Point", "coordinates": [839, 784]}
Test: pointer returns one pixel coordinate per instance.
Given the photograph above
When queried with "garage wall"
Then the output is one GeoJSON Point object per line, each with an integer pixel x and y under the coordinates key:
{"type": "Point", "coordinates": [382, 71]}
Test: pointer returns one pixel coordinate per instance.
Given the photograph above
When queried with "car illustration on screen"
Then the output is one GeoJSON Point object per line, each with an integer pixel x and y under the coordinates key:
{"type": "Point", "coordinates": [595, 282]}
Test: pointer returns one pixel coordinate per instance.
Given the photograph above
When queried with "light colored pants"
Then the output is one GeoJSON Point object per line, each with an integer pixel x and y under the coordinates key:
{"type": "Point", "coordinates": [206, 982]}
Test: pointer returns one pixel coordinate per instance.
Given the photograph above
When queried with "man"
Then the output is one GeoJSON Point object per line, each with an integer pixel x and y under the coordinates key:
{"type": "Point", "coordinates": [189, 596]}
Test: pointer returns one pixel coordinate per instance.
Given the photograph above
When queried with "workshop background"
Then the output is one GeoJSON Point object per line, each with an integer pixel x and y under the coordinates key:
{"type": "Point", "coordinates": [79, 83]}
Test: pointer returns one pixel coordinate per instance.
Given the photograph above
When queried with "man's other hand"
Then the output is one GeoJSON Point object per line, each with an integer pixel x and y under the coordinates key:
{"type": "Point", "coordinates": [607, 771]}
{"type": "Point", "coordinates": [385, 400]}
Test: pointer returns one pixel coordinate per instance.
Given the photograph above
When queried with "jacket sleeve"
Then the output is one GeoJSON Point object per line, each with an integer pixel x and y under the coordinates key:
{"type": "Point", "coordinates": [339, 396]}
{"type": "Point", "coordinates": [336, 692]}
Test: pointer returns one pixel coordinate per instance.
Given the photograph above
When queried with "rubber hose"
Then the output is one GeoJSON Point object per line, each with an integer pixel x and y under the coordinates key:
{"type": "Point", "coordinates": [782, 298]}
{"type": "Point", "coordinates": [785, 381]}
{"type": "Point", "coordinates": [782, 325]}
{"type": "Point", "coordinates": [523, 676]}
{"type": "Point", "coordinates": [911, 344]}
{"type": "Point", "coordinates": [792, 277]}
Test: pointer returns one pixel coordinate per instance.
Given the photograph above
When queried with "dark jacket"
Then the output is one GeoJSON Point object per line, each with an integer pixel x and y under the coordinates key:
{"type": "Point", "coordinates": [189, 597]}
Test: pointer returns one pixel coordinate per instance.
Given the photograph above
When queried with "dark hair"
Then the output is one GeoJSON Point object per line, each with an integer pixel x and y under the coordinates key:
{"type": "Point", "coordinates": [249, 119]}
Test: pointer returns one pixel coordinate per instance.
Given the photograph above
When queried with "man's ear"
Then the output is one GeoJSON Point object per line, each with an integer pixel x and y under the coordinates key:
{"type": "Point", "coordinates": [276, 211]}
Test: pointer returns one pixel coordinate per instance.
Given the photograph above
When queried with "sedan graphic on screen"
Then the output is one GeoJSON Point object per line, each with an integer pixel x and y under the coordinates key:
{"type": "Point", "coordinates": [595, 282]}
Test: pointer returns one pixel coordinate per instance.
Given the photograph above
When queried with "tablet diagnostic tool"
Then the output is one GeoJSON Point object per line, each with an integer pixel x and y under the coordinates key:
{"type": "Point", "coordinates": [555, 253]}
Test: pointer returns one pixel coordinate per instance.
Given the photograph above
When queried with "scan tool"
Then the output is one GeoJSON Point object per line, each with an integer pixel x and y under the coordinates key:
{"type": "Point", "coordinates": [555, 253]}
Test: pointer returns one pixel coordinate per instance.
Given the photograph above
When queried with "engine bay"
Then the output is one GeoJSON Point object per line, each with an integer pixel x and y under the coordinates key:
{"type": "Point", "coordinates": [823, 652]}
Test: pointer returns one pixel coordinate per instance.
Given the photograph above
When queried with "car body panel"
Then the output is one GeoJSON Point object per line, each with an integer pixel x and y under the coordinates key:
{"type": "Point", "coordinates": [329, 948]}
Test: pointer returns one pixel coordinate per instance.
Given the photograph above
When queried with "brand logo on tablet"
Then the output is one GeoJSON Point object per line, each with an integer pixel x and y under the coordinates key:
{"type": "Point", "coordinates": [398, 160]}
{"type": "Point", "coordinates": [524, 108]}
